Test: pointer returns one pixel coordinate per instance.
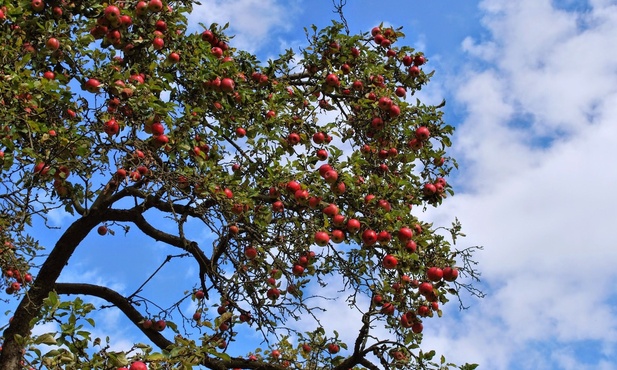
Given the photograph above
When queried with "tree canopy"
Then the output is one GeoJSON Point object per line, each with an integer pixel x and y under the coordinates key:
{"type": "Point", "coordinates": [307, 170]}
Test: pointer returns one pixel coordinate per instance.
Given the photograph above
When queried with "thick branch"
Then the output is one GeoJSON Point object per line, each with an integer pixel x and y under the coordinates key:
{"type": "Point", "coordinates": [117, 300]}
{"type": "Point", "coordinates": [30, 305]}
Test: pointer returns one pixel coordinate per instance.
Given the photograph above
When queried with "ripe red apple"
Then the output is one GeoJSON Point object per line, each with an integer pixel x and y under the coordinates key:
{"type": "Point", "coordinates": [319, 137]}
{"type": "Point", "coordinates": [298, 270]}
{"type": "Point", "coordinates": [332, 80]}
{"type": "Point", "coordinates": [158, 43]}
{"type": "Point", "coordinates": [111, 127]}
{"type": "Point", "coordinates": [227, 85]}
{"type": "Point", "coordinates": [52, 43]}
{"type": "Point", "coordinates": [240, 132]}
{"type": "Point", "coordinates": [419, 60]}
{"type": "Point", "coordinates": [157, 128]}
{"type": "Point", "coordinates": [414, 71]}
{"type": "Point", "coordinates": [200, 294]}
{"type": "Point", "coordinates": [293, 138]}
{"type": "Point", "coordinates": [155, 5]}
{"type": "Point", "coordinates": [389, 262]}
{"type": "Point", "coordinates": [429, 189]}
{"type": "Point", "coordinates": [353, 225]}
{"type": "Point", "coordinates": [384, 103]}
{"type": "Point", "coordinates": [384, 237]}
{"type": "Point", "coordinates": [333, 348]}
{"type": "Point", "coordinates": [138, 365]}
{"type": "Point", "coordinates": [112, 13]}
{"type": "Point", "coordinates": [293, 186]}
{"type": "Point", "coordinates": [338, 236]}
{"type": "Point", "coordinates": [273, 293]}
{"type": "Point", "coordinates": [387, 308]}
{"type": "Point", "coordinates": [217, 52]}
{"type": "Point", "coordinates": [407, 60]}
{"type": "Point", "coordinates": [37, 5]}
{"type": "Point", "coordinates": [301, 195]}
{"type": "Point", "coordinates": [324, 168]}
{"type": "Point", "coordinates": [278, 207]}
{"type": "Point", "coordinates": [426, 288]}
{"type": "Point", "coordinates": [102, 230]}
{"type": "Point", "coordinates": [92, 85]}
{"type": "Point", "coordinates": [250, 252]}
{"type": "Point", "coordinates": [400, 92]}
{"type": "Point", "coordinates": [49, 75]}
{"type": "Point", "coordinates": [331, 176]}
{"type": "Point", "coordinates": [338, 220]}
{"type": "Point", "coordinates": [434, 273]}
{"type": "Point", "coordinates": [422, 133]}
{"type": "Point", "coordinates": [159, 325]}
{"type": "Point", "coordinates": [450, 273]}
{"type": "Point", "coordinates": [369, 237]}
{"type": "Point", "coordinates": [314, 202]}
{"type": "Point", "coordinates": [306, 348]}
{"type": "Point", "coordinates": [405, 234]}
{"type": "Point", "coordinates": [322, 238]}
{"type": "Point", "coordinates": [331, 210]}
{"type": "Point", "coordinates": [417, 327]}
{"type": "Point", "coordinates": [322, 154]}
{"type": "Point", "coordinates": [411, 246]}
{"type": "Point", "coordinates": [173, 57]}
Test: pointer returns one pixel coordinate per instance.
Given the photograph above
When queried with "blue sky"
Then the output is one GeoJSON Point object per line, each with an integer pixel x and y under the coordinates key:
{"type": "Point", "coordinates": [532, 87]}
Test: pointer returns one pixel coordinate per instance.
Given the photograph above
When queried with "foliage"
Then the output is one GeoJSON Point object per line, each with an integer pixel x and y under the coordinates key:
{"type": "Point", "coordinates": [306, 170]}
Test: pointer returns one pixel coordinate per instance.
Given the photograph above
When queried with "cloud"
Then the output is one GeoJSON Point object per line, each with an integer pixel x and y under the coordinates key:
{"type": "Point", "coordinates": [537, 151]}
{"type": "Point", "coordinates": [254, 23]}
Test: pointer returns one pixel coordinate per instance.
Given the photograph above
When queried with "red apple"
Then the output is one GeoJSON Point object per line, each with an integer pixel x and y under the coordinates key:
{"type": "Point", "coordinates": [240, 132]}
{"type": "Point", "coordinates": [92, 85]}
{"type": "Point", "coordinates": [138, 365]}
{"type": "Point", "coordinates": [52, 43]}
{"type": "Point", "coordinates": [389, 262]}
{"type": "Point", "coordinates": [159, 325]}
{"type": "Point", "coordinates": [411, 246]}
{"type": "Point", "coordinates": [227, 85]}
{"type": "Point", "coordinates": [322, 238]}
{"type": "Point", "coordinates": [450, 274]}
{"type": "Point", "coordinates": [405, 234]}
{"type": "Point", "coordinates": [158, 43]}
{"type": "Point", "coordinates": [426, 288]}
{"type": "Point", "coordinates": [333, 348]}
{"type": "Point", "coordinates": [273, 293]}
{"type": "Point", "coordinates": [298, 270]}
{"type": "Point", "coordinates": [422, 133]}
{"type": "Point", "coordinates": [322, 154]}
{"type": "Point", "coordinates": [102, 230]}
{"type": "Point", "coordinates": [155, 5]}
{"type": "Point", "coordinates": [250, 252]}
{"type": "Point", "coordinates": [332, 80]}
{"type": "Point", "coordinates": [338, 236]}
{"type": "Point", "coordinates": [331, 210]}
{"type": "Point", "coordinates": [434, 273]}
{"type": "Point", "coordinates": [369, 237]}
{"type": "Point", "coordinates": [331, 176]}
{"type": "Point", "coordinates": [353, 225]}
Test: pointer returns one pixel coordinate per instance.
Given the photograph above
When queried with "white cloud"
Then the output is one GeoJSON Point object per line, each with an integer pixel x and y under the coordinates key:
{"type": "Point", "coordinates": [537, 154]}
{"type": "Point", "coordinates": [253, 22]}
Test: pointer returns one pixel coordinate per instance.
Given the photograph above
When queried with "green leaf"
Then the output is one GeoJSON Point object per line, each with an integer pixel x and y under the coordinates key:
{"type": "Point", "coordinates": [46, 338]}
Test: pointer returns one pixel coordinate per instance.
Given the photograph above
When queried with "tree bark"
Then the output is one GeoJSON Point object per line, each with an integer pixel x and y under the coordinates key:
{"type": "Point", "coordinates": [31, 303]}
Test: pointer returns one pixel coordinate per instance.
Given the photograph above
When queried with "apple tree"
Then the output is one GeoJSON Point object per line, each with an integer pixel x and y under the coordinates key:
{"type": "Point", "coordinates": [306, 171]}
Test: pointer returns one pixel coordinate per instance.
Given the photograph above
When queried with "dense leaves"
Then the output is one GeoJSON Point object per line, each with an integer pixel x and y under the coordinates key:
{"type": "Point", "coordinates": [311, 169]}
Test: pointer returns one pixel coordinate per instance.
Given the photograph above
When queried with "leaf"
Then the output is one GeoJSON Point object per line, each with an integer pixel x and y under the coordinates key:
{"type": "Point", "coordinates": [46, 338]}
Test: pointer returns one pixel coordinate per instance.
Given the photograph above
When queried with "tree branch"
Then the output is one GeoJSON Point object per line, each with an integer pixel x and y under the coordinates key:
{"type": "Point", "coordinates": [117, 300]}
